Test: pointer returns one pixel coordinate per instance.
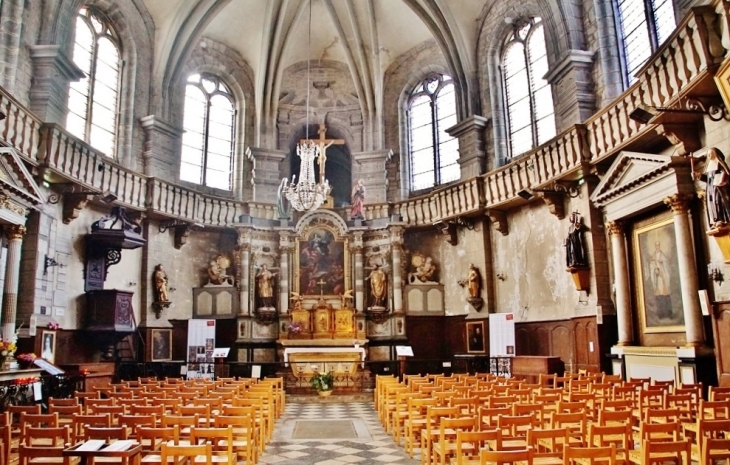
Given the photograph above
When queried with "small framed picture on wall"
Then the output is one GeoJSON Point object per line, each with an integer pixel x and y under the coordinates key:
{"type": "Point", "coordinates": [160, 345]}
{"type": "Point", "coordinates": [48, 346]}
{"type": "Point", "coordinates": [475, 337]}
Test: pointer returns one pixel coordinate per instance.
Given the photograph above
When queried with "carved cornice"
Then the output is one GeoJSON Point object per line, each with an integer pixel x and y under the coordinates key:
{"type": "Point", "coordinates": [685, 137]}
{"type": "Point", "coordinates": [554, 202]}
{"type": "Point", "coordinates": [73, 205]}
{"type": "Point", "coordinates": [679, 203]}
{"type": "Point", "coordinates": [448, 230]}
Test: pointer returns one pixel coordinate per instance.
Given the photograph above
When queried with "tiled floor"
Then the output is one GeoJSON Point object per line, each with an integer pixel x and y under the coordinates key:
{"type": "Point", "coordinates": [370, 444]}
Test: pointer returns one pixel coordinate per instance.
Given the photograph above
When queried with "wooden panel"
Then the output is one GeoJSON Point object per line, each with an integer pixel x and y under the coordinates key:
{"type": "Point", "coordinates": [562, 344]}
{"type": "Point", "coordinates": [426, 336]}
{"type": "Point", "coordinates": [721, 329]}
{"type": "Point", "coordinates": [523, 340]}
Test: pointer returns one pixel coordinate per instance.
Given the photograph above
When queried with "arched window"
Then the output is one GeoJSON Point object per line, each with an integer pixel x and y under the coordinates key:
{"type": "Point", "coordinates": [93, 101]}
{"type": "Point", "coordinates": [434, 154]}
{"type": "Point", "coordinates": [207, 144]}
{"type": "Point", "coordinates": [529, 100]}
{"type": "Point", "coordinates": [645, 25]}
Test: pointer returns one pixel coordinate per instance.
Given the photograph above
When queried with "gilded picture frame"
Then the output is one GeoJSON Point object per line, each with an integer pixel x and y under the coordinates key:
{"type": "Point", "coordinates": [656, 277]}
{"type": "Point", "coordinates": [475, 343]}
{"type": "Point", "coordinates": [321, 261]}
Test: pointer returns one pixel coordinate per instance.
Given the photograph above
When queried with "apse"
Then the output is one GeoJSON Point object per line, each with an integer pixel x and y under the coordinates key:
{"type": "Point", "coordinates": [338, 169]}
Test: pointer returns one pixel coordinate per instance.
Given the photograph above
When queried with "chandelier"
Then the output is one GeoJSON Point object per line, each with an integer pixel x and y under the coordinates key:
{"type": "Point", "coordinates": [308, 194]}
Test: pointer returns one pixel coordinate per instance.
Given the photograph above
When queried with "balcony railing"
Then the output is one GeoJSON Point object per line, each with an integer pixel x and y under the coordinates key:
{"type": "Point", "coordinates": [685, 61]}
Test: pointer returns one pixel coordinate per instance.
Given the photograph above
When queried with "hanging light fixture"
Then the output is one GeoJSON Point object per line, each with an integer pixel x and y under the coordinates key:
{"type": "Point", "coordinates": [307, 194]}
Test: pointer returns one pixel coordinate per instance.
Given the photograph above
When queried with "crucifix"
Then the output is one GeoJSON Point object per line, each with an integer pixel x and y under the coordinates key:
{"type": "Point", "coordinates": [322, 143]}
{"type": "Point", "coordinates": [321, 284]}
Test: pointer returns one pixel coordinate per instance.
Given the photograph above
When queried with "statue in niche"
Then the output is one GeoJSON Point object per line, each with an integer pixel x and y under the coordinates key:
{"type": "Point", "coordinates": [218, 271]}
{"type": "Point", "coordinates": [283, 207]}
{"type": "Point", "coordinates": [265, 287]}
{"type": "Point", "coordinates": [717, 178]}
{"type": "Point", "coordinates": [575, 256]}
{"type": "Point", "coordinates": [160, 278]}
{"type": "Point", "coordinates": [424, 270]}
{"type": "Point", "coordinates": [378, 287]}
{"type": "Point", "coordinates": [357, 201]}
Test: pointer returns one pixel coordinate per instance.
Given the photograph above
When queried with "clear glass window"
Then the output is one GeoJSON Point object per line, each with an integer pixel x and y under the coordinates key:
{"type": "Point", "coordinates": [645, 25]}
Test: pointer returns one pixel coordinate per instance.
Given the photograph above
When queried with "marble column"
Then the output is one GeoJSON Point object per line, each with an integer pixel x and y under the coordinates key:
{"type": "Point", "coordinates": [285, 248]}
{"type": "Point", "coordinates": [356, 248]}
{"type": "Point", "coordinates": [621, 281]}
{"type": "Point", "coordinates": [396, 243]}
{"type": "Point", "coordinates": [687, 270]}
{"type": "Point", "coordinates": [244, 242]}
{"type": "Point", "coordinates": [14, 235]}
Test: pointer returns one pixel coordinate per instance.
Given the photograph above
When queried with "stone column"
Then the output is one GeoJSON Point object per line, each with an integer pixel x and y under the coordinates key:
{"type": "Point", "coordinates": [356, 248]}
{"type": "Point", "coordinates": [370, 167]}
{"type": "Point", "coordinates": [266, 174]}
{"type": "Point", "coordinates": [470, 133]}
{"type": "Point", "coordinates": [11, 28]}
{"type": "Point", "coordinates": [14, 235]}
{"type": "Point", "coordinates": [687, 270]}
{"type": "Point", "coordinates": [396, 243]}
{"type": "Point", "coordinates": [53, 70]}
{"type": "Point", "coordinates": [244, 242]}
{"type": "Point", "coordinates": [161, 143]}
{"type": "Point", "coordinates": [621, 281]}
{"type": "Point", "coordinates": [572, 84]}
{"type": "Point", "coordinates": [285, 248]}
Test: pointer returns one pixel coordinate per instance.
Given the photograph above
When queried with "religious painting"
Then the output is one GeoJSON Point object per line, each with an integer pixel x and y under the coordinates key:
{"type": "Point", "coordinates": [321, 262]}
{"type": "Point", "coordinates": [475, 337]}
{"type": "Point", "coordinates": [48, 346]}
{"type": "Point", "coordinates": [161, 345]}
{"type": "Point", "coordinates": [656, 271]}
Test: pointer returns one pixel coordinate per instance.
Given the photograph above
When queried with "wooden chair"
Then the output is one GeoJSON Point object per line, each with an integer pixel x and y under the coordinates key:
{"type": "Point", "coordinates": [713, 429]}
{"type": "Point", "coordinates": [56, 402]}
{"type": "Point", "coordinates": [715, 449]}
{"type": "Point", "coordinates": [79, 422]}
{"type": "Point", "coordinates": [514, 430]}
{"type": "Point", "coordinates": [576, 423]}
{"type": "Point", "coordinates": [65, 412]}
{"type": "Point", "coordinates": [151, 440]}
{"type": "Point", "coordinates": [112, 410]}
{"type": "Point", "coordinates": [548, 444]}
{"type": "Point", "coordinates": [221, 441]}
{"type": "Point", "coordinates": [445, 446]}
{"type": "Point", "coordinates": [36, 421]}
{"type": "Point", "coordinates": [259, 416]}
{"type": "Point", "coordinates": [202, 411]}
{"type": "Point", "coordinates": [499, 457]}
{"type": "Point", "coordinates": [54, 440]}
{"type": "Point", "coordinates": [589, 455]}
{"type": "Point", "coordinates": [155, 409]}
{"type": "Point", "coordinates": [434, 416]}
{"type": "Point", "coordinates": [91, 403]}
{"type": "Point", "coordinates": [416, 421]}
{"type": "Point", "coordinates": [664, 451]}
{"type": "Point", "coordinates": [620, 436]}
{"type": "Point", "coordinates": [469, 443]}
{"type": "Point", "coordinates": [488, 416]}
{"type": "Point", "coordinates": [186, 454]}
{"type": "Point", "coordinates": [131, 422]}
{"type": "Point", "coordinates": [185, 422]}
{"type": "Point", "coordinates": [244, 436]}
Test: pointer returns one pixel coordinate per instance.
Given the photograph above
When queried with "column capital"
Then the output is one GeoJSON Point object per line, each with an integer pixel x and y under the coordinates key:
{"type": "Point", "coordinates": [615, 228]}
{"type": "Point", "coordinates": [15, 232]}
{"type": "Point", "coordinates": [679, 203]}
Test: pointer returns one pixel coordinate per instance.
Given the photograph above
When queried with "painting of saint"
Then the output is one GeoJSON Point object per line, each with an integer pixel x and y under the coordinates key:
{"type": "Point", "coordinates": [321, 263]}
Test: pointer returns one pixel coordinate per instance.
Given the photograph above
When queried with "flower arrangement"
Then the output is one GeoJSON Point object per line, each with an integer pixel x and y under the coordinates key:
{"type": "Point", "coordinates": [323, 381]}
{"type": "Point", "coordinates": [26, 360]}
{"type": "Point", "coordinates": [294, 327]}
{"type": "Point", "coordinates": [53, 325]}
{"type": "Point", "coordinates": [7, 348]}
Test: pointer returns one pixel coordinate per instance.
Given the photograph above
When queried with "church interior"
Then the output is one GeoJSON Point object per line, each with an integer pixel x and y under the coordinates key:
{"type": "Point", "coordinates": [325, 185]}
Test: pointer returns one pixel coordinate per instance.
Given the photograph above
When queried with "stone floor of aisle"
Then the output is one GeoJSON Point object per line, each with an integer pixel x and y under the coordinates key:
{"type": "Point", "coordinates": [332, 434]}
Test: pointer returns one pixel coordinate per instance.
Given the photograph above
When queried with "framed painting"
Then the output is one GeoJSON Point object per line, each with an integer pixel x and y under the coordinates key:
{"type": "Point", "coordinates": [321, 261]}
{"type": "Point", "coordinates": [656, 276]}
{"type": "Point", "coordinates": [48, 346]}
{"type": "Point", "coordinates": [160, 345]}
{"type": "Point", "coordinates": [475, 337]}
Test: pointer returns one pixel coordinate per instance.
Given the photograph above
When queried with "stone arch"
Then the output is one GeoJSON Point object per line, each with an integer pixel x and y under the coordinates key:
{"type": "Point", "coordinates": [322, 216]}
{"type": "Point", "coordinates": [134, 26]}
{"type": "Point", "coordinates": [218, 59]}
{"type": "Point", "coordinates": [400, 78]}
{"type": "Point", "coordinates": [490, 40]}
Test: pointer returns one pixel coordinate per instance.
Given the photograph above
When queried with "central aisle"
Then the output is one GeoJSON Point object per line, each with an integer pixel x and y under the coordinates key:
{"type": "Point", "coordinates": [332, 434]}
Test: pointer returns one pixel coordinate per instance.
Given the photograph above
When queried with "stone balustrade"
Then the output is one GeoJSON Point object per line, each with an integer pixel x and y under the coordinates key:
{"type": "Point", "coordinates": [684, 61]}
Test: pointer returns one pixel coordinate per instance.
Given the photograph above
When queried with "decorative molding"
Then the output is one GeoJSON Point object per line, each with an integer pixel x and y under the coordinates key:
{"type": "Point", "coordinates": [685, 137]}
{"type": "Point", "coordinates": [15, 232]}
{"type": "Point", "coordinates": [499, 220]}
{"type": "Point", "coordinates": [73, 204]}
{"type": "Point", "coordinates": [448, 230]}
{"type": "Point", "coordinates": [615, 228]}
{"type": "Point", "coordinates": [554, 202]}
{"type": "Point", "coordinates": [679, 203]}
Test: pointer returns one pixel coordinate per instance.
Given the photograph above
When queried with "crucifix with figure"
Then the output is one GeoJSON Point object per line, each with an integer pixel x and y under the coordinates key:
{"type": "Point", "coordinates": [322, 143]}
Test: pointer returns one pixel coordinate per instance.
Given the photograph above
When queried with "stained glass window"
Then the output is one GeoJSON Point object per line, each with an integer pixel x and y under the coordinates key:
{"type": "Point", "coordinates": [93, 101]}
{"type": "Point", "coordinates": [208, 120]}
{"type": "Point", "coordinates": [433, 153]}
{"type": "Point", "coordinates": [528, 97]}
{"type": "Point", "coordinates": [645, 25]}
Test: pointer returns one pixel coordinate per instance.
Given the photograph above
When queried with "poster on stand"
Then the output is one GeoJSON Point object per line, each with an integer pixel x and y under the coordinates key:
{"type": "Point", "coordinates": [201, 343]}
{"type": "Point", "coordinates": [502, 335]}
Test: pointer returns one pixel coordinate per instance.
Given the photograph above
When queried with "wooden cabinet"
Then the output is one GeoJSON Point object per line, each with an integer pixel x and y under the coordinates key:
{"type": "Point", "coordinates": [531, 367]}
{"type": "Point", "coordinates": [109, 310]}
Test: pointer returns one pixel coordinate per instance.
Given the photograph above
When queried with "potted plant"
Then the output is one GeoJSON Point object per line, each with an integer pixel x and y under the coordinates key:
{"type": "Point", "coordinates": [323, 383]}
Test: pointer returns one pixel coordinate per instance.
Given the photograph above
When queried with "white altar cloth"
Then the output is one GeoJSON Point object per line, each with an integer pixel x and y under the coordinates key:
{"type": "Point", "coordinates": [320, 350]}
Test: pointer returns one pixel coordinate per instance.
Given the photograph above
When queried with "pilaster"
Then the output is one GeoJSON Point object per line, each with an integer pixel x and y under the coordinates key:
{"type": "Point", "coordinates": [370, 167]}
{"type": "Point", "coordinates": [621, 281]}
{"type": "Point", "coordinates": [52, 73]}
{"type": "Point", "coordinates": [266, 173]}
{"type": "Point", "coordinates": [572, 85]}
{"type": "Point", "coordinates": [161, 146]}
{"type": "Point", "coordinates": [470, 133]}
{"type": "Point", "coordinates": [14, 234]}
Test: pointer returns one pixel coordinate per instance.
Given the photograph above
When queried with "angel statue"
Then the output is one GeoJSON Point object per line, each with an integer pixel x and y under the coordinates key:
{"type": "Point", "coordinates": [345, 297]}
{"type": "Point", "coordinates": [424, 270]}
{"type": "Point", "coordinates": [265, 286]}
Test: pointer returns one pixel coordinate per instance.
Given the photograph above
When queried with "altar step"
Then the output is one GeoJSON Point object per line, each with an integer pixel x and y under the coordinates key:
{"type": "Point", "coordinates": [334, 398]}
